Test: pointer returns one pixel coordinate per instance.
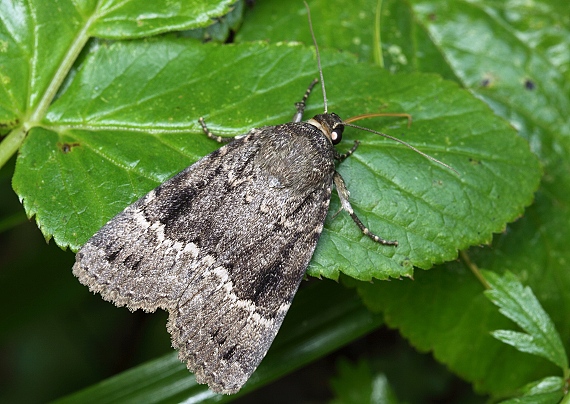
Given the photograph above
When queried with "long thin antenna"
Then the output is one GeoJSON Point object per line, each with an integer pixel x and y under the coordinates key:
{"type": "Point", "coordinates": [378, 114]}
{"type": "Point", "coordinates": [318, 55]}
{"type": "Point", "coordinates": [427, 156]}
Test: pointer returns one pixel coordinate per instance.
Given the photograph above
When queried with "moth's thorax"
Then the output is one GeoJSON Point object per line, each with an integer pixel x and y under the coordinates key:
{"type": "Point", "coordinates": [330, 125]}
{"type": "Point", "coordinates": [296, 155]}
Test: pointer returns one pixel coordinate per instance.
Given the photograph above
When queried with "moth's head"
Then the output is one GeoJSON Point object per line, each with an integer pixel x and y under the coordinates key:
{"type": "Point", "coordinates": [330, 124]}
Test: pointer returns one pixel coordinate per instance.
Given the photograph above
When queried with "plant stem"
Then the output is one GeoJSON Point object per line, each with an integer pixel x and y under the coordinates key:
{"type": "Point", "coordinates": [378, 59]}
{"type": "Point", "coordinates": [474, 268]}
{"type": "Point", "coordinates": [11, 144]}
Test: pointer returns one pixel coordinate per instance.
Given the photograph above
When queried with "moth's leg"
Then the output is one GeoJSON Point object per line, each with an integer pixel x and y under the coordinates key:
{"type": "Point", "coordinates": [298, 117]}
{"type": "Point", "coordinates": [343, 195]}
{"type": "Point", "coordinates": [342, 156]}
{"type": "Point", "coordinates": [218, 139]}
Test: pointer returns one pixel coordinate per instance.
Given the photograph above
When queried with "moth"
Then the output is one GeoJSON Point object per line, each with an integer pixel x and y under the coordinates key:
{"type": "Point", "coordinates": [223, 245]}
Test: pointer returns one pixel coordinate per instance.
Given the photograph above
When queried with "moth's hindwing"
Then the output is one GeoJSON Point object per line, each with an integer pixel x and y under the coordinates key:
{"type": "Point", "coordinates": [222, 246]}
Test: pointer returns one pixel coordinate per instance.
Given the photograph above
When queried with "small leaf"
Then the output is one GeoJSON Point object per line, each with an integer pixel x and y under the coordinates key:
{"type": "Point", "coordinates": [116, 19]}
{"type": "Point", "coordinates": [520, 305]}
{"type": "Point", "coordinates": [444, 312]}
{"type": "Point", "coordinates": [545, 391]}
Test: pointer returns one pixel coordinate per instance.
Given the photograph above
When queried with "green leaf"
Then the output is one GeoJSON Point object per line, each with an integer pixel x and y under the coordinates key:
{"type": "Point", "coordinates": [405, 46]}
{"type": "Point", "coordinates": [520, 305]}
{"type": "Point", "coordinates": [39, 42]}
{"type": "Point", "coordinates": [444, 312]}
{"type": "Point", "coordinates": [125, 139]}
{"type": "Point", "coordinates": [335, 25]}
{"type": "Point", "coordinates": [546, 391]}
{"type": "Point", "coordinates": [357, 383]}
{"type": "Point", "coordinates": [306, 334]}
{"type": "Point", "coordinates": [515, 57]}
{"type": "Point", "coordinates": [139, 18]}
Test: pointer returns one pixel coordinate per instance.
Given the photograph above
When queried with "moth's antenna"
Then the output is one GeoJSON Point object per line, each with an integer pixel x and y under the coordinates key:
{"type": "Point", "coordinates": [427, 156]}
{"type": "Point", "coordinates": [318, 55]}
{"type": "Point", "coordinates": [377, 114]}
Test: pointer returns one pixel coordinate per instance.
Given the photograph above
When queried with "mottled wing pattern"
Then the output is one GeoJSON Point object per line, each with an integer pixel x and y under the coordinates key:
{"type": "Point", "coordinates": [222, 246]}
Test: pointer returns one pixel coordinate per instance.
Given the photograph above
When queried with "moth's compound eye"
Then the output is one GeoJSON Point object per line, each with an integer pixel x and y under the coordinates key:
{"type": "Point", "coordinates": [336, 134]}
